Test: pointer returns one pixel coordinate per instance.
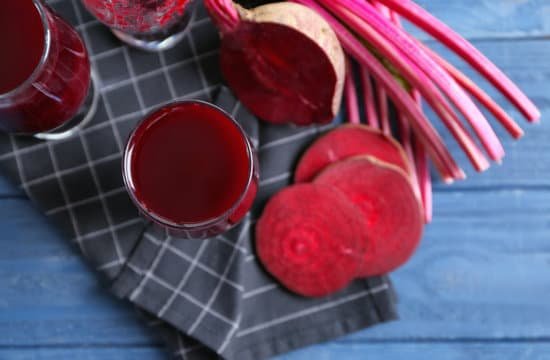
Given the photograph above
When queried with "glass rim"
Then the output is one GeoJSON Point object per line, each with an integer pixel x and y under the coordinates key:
{"type": "Point", "coordinates": [42, 11]}
{"type": "Point", "coordinates": [126, 170]}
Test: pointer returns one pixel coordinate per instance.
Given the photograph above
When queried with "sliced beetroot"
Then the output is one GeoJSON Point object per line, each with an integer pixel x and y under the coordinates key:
{"type": "Point", "coordinates": [386, 197]}
{"type": "Point", "coordinates": [284, 63]}
{"type": "Point", "coordinates": [347, 141]}
{"type": "Point", "coordinates": [310, 237]}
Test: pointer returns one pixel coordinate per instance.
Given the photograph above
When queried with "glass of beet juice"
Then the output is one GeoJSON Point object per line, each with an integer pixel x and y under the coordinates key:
{"type": "Point", "coordinates": [190, 168]}
{"type": "Point", "coordinates": [45, 79]}
{"type": "Point", "coordinates": [151, 25]}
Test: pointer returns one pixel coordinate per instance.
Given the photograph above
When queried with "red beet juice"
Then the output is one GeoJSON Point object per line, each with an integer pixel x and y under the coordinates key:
{"type": "Point", "coordinates": [189, 167]}
{"type": "Point", "coordinates": [147, 24]}
{"type": "Point", "coordinates": [44, 68]}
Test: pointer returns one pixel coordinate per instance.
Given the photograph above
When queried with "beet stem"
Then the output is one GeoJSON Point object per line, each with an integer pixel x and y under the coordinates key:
{"type": "Point", "coordinates": [352, 104]}
{"type": "Point", "coordinates": [423, 19]}
{"type": "Point", "coordinates": [506, 121]}
{"type": "Point", "coordinates": [416, 152]}
{"type": "Point", "coordinates": [423, 169]}
{"type": "Point", "coordinates": [443, 160]}
{"type": "Point", "coordinates": [224, 14]}
{"type": "Point", "coordinates": [343, 8]}
{"type": "Point", "coordinates": [410, 49]}
{"type": "Point", "coordinates": [381, 96]}
{"type": "Point", "coordinates": [368, 98]}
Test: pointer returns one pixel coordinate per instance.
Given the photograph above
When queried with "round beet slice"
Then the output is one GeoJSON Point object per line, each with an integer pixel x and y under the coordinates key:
{"type": "Point", "coordinates": [347, 141]}
{"type": "Point", "coordinates": [285, 64]}
{"type": "Point", "coordinates": [310, 238]}
{"type": "Point", "coordinates": [386, 197]}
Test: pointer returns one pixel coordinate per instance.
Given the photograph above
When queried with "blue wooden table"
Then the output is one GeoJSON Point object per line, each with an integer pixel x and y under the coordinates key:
{"type": "Point", "coordinates": [479, 286]}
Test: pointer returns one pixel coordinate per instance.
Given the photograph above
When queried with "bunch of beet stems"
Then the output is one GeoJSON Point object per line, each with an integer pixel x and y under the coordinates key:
{"type": "Point", "coordinates": [406, 71]}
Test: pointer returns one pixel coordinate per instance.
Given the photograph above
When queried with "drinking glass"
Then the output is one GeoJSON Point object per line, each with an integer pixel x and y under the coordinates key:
{"type": "Point", "coordinates": [190, 168]}
{"type": "Point", "coordinates": [46, 87]}
{"type": "Point", "coordinates": [151, 25]}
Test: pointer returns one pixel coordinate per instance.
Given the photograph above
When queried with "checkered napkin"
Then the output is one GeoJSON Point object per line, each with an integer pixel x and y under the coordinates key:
{"type": "Point", "coordinates": [206, 297]}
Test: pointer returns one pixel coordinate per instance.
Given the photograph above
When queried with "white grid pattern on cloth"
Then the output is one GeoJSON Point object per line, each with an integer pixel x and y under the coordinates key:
{"type": "Point", "coordinates": [189, 259]}
{"type": "Point", "coordinates": [214, 295]}
{"type": "Point", "coordinates": [312, 310]}
{"type": "Point", "coordinates": [184, 279]}
{"type": "Point", "coordinates": [113, 121]}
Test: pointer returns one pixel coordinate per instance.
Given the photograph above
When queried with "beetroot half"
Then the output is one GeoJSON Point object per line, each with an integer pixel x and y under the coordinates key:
{"type": "Point", "coordinates": [310, 238]}
{"type": "Point", "coordinates": [347, 141]}
{"type": "Point", "coordinates": [386, 197]}
{"type": "Point", "coordinates": [284, 63]}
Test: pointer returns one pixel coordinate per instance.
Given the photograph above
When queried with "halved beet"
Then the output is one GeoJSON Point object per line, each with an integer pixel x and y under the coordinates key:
{"type": "Point", "coordinates": [310, 237]}
{"type": "Point", "coordinates": [385, 195]}
{"type": "Point", "coordinates": [347, 141]}
{"type": "Point", "coordinates": [284, 63]}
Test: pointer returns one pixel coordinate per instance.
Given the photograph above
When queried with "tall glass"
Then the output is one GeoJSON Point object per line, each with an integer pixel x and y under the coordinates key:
{"type": "Point", "coordinates": [190, 168]}
{"type": "Point", "coordinates": [45, 80]}
{"type": "Point", "coordinates": [151, 25]}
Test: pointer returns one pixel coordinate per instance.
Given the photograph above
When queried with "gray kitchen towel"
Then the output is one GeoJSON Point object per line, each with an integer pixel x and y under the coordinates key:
{"type": "Point", "coordinates": [205, 297]}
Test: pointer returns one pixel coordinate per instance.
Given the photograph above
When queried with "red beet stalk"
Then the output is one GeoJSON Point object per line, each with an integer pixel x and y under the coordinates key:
{"type": "Point", "coordinates": [506, 121]}
{"type": "Point", "coordinates": [423, 19]}
{"type": "Point", "coordinates": [440, 155]}
{"type": "Point", "coordinates": [422, 168]}
{"type": "Point", "coordinates": [383, 110]}
{"type": "Point", "coordinates": [416, 152]}
{"type": "Point", "coordinates": [415, 76]}
{"type": "Point", "coordinates": [381, 96]}
{"type": "Point", "coordinates": [368, 98]}
{"type": "Point", "coordinates": [224, 14]}
{"type": "Point", "coordinates": [409, 48]}
{"type": "Point", "coordinates": [352, 104]}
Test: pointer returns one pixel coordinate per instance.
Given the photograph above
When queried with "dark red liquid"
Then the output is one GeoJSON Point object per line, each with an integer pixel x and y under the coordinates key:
{"type": "Point", "coordinates": [189, 163]}
{"type": "Point", "coordinates": [138, 16]}
{"type": "Point", "coordinates": [57, 87]}
{"type": "Point", "coordinates": [21, 43]}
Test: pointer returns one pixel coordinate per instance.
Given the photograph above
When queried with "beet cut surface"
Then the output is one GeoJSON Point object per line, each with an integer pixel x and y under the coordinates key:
{"type": "Point", "coordinates": [347, 141]}
{"type": "Point", "coordinates": [285, 64]}
{"type": "Point", "coordinates": [385, 195]}
{"type": "Point", "coordinates": [311, 237]}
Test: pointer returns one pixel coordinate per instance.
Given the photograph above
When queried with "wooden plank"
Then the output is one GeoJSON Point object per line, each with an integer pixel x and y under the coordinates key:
{"type": "Point", "coordinates": [493, 19]}
{"type": "Point", "coordinates": [386, 351]}
{"type": "Point", "coordinates": [423, 351]}
{"type": "Point", "coordinates": [7, 189]}
{"type": "Point", "coordinates": [526, 163]}
{"type": "Point", "coordinates": [48, 295]}
{"type": "Point", "coordinates": [477, 275]}
{"type": "Point", "coordinates": [84, 353]}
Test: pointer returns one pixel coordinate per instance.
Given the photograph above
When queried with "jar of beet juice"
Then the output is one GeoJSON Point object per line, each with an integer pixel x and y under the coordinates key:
{"type": "Point", "coordinates": [45, 80]}
{"type": "Point", "coordinates": [190, 168]}
{"type": "Point", "coordinates": [151, 25]}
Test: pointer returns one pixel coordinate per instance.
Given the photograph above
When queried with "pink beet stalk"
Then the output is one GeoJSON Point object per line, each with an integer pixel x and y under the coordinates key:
{"type": "Point", "coordinates": [416, 150]}
{"type": "Point", "coordinates": [506, 121]}
{"type": "Point", "coordinates": [223, 13]}
{"type": "Point", "coordinates": [423, 19]}
{"type": "Point", "coordinates": [423, 173]}
{"type": "Point", "coordinates": [381, 96]}
{"type": "Point", "coordinates": [414, 53]}
{"type": "Point", "coordinates": [440, 155]}
{"type": "Point", "coordinates": [368, 95]}
{"type": "Point", "coordinates": [424, 179]}
{"type": "Point", "coordinates": [415, 76]}
{"type": "Point", "coordinates": [352, 104]}
{"type": "Point", "coordinates": [405, 131]}
{"type": "Point", "coordinates": [383, 110]}
{"type": "Point", "coordinates": [423, 169]}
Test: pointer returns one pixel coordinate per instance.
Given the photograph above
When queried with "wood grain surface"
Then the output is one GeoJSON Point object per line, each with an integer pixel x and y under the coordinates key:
{"type": "Point", "coordinates": [477, 288]}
